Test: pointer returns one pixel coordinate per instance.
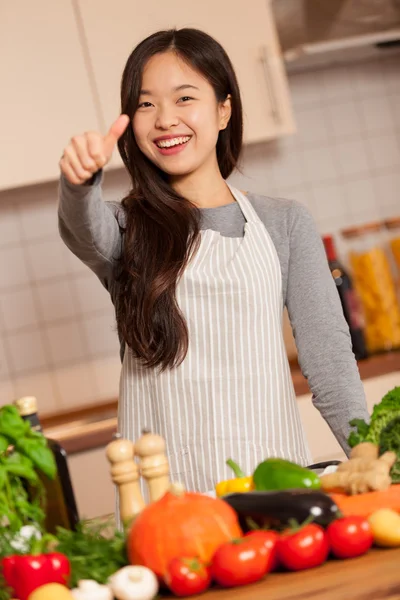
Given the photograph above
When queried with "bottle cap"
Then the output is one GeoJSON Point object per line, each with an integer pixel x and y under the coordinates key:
{"type": "Point", "coordinates": [26, 406]}
{"type": "Point", "coordinates": [330, 249]}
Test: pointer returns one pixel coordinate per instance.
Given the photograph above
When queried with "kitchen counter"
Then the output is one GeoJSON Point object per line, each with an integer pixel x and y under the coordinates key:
{"type": "Point", "coordinates": [93, 427]}
{"type": "Point", "coordinates": [375, 576]}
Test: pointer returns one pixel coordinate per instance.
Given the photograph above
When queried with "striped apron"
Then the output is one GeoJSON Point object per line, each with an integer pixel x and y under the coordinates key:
{"type": "Point", "coordinates": [232, 397]}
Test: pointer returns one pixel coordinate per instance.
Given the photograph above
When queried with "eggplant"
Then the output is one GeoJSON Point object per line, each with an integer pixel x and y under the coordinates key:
{"type": "Point", "coordinates": [278, 509]}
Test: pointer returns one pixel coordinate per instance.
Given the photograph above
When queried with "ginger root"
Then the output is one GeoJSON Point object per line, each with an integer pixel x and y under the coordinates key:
{"type": "Point", "coordinates": [363, 472]}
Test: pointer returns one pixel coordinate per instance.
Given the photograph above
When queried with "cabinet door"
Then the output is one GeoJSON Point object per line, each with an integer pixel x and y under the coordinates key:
{"type": "Point", "coordinates": [46, 97]}
{"type": "Point", "coordinates": [245, 29]}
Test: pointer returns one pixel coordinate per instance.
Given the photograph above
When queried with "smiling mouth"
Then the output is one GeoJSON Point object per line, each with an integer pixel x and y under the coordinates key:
{"type": "Point", "coordinates": [178, 141]}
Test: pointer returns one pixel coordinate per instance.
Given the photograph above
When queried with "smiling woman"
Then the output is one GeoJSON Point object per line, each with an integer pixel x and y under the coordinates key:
{"type": "Point", "coordinates": [199, 273]}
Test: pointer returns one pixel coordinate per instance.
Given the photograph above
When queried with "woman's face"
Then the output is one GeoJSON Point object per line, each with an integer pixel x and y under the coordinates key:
{"type": "Point", "coordinates": [177, 122]}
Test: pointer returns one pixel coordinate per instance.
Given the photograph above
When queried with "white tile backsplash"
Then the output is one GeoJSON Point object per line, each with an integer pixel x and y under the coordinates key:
{"type": "Point", "coordinates": [39, 217]}
{"type": "Point", "coordinates": [66, 342]}
{"type": "Point", "coordinates": [390, 72]}
{"type": "Point", "coordinates": [76, 386]}
{"type": "Point", "coordinates": [335, 85]}
{"type": "Point", "coordinates": [387, 189]}
{"type": "Point", "coordinates": [27, 351]}
{"type": "Point", "coordinates": [58, 336]}
{"type": "Point", "coordinates": [18, 308]}
{"type": "Point", "coordinates": [106, 374]}
{"type": "Point", "coordinates": [305, 89]}
{"type": "Point", "coordinates": [329, 201]}
{"type": "Point", "coordinates": [4, 362]}
{"type": "Point", "coordinates": [47, 259]}
{"type": "Point", "coordinates": [352, 157]}
{"type": "Point", "coordinates": [360, 197]}
{"type": "Point", "coordinates": [289, 171]}
{"type": "Point", "coordinates": [91, 295]}
{"type": "Point", "coordinates": [367, 79]}
{"type": "Point", "coordinates": [320, 164]}
{"type": "Point", "coordinates": [10, 232]}
{"type": "Point", "coordinates": [376, 114]}
{"type": "Point", "coordinates": [313, 125]}
{"type": "Point", "coordinates": [13, 267]}
{"type": "Point", "coordinates": [384, 151]}
{"type": "Point", "coordinates": [345, 119]}
{"type": "Point", "coordinates": [101, 334]}
{"type": "Point", "coordinates": [56, 300]}
{"type": "Point", "coordinates": [395, 108]}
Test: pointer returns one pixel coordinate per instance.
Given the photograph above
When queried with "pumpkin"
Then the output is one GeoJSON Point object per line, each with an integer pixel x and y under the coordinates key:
{"type": "Point", "coordinates": [180, 524]}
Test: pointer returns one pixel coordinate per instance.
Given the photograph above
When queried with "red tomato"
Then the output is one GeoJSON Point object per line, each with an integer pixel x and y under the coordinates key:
{"type": "Point", "coordinates": [239, 562]}
{"type": "Point", "coordinates": [350, 537]}
{"type": "Point", "coordinates": [303, 549]}
{"type": "Point", "coordinates": [187, 576]}
{"type": "Point", "coordinates": [268, 541]}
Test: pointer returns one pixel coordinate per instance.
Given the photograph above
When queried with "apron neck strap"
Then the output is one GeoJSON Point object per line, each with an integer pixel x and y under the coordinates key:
{"type": "Point", "coordinates": [245, 205]}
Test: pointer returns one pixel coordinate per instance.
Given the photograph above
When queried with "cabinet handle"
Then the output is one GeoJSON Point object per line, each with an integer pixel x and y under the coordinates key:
{"type": "Point", "coordinates": [270, 86]}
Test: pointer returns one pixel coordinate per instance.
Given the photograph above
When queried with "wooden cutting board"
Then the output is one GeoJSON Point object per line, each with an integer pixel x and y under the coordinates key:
{"type": "Point", "coordinates": [374, 576]}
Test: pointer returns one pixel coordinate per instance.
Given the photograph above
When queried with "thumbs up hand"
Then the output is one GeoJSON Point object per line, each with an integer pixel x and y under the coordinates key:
{"type": "Point", "coordinates": [87, 153]}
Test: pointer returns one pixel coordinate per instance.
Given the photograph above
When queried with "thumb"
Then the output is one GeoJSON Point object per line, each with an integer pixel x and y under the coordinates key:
{"type": "Point", "coordinates": [115, 132]}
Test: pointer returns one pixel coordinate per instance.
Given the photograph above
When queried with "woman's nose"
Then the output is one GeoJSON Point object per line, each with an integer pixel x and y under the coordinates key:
{"type": "Point", "coordinates": [166, 118]}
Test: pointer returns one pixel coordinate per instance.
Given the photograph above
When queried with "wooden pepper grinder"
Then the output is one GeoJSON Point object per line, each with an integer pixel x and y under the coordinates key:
{"type": "Point", "coordinates": [125, 474]}
{"type": "Point", "coordinates": [153, 465]}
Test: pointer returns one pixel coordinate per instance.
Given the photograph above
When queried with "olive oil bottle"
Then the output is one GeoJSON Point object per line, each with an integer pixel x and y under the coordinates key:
{"type": "Point", "coordinates": [61, 508]}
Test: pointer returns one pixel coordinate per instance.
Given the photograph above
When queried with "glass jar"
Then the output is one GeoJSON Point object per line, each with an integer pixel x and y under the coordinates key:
{"type": "Point", "coordinates": [393, 229]}
{"type": "Point", "coordinates": [374, 282]}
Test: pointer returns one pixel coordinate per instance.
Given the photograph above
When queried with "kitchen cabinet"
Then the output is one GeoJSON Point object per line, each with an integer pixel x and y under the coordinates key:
{"type": "Point", "coordinates": [247, 32]}
{"type": "Point", "coordinates": [46, 94]}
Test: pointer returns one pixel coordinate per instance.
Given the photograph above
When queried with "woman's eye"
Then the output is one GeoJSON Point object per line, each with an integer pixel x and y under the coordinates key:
{"type": "Point", "coordinates": [185, 99]}
{"type": "Point", "coordinates": [144, 105]}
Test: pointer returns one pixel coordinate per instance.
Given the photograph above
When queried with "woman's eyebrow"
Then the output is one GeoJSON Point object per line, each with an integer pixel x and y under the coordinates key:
{"type": "Point", "coordinates": [179, 88]}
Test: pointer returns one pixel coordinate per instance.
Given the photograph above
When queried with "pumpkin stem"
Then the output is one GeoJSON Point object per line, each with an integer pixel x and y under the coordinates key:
{"type": "Point", "coordinates": [177, 489]}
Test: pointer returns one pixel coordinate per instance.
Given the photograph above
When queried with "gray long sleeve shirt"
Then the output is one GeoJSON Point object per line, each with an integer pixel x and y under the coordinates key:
{"type": "Point", "coordinates": [90, 229]}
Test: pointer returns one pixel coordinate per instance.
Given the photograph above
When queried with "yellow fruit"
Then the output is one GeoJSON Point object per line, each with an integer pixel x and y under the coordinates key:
{"type": "Point", "coordinates": [385, 525]}
{"type": "Point", "coordinates": [51, 591]}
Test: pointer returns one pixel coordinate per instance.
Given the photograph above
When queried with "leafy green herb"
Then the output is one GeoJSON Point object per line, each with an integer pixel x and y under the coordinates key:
{"type": "Point", "coordinates": [23, 453]}
{"type": "Point", "coordinates": [383, 413]}
{"type": "Point", "coordinates": [358, 436]}
{"type": "Point", "coordinates": [383, 430]}
{"type": "Point", "coordinates": [12, 426]}
{"type": "Point", "coordinates": [41, 456]}
{"type": "Point", "coordinates": [5, 592]}
{"type": "Point", "coordinates": [390, 441]}
{"type": "Point", "coordinates": [94, 551]}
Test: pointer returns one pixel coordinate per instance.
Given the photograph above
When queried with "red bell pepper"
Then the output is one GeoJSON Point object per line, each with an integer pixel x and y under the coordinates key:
{"type": "Point", "coordinates": [24, 574]}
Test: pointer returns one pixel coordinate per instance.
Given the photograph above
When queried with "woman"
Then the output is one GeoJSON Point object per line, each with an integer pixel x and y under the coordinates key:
{"type": "Point", "coordinates": [199, 272]}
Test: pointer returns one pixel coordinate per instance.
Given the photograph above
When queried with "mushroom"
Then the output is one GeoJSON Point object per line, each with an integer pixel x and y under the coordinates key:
{"type": "Point", "coordinates": [134, 583]}
{"type": "Point", "coordinates": [91, 590]}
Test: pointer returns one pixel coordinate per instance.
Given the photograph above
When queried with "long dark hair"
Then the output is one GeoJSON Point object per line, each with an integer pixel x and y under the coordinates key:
{"type": "Point", "coordinates": [162, 227]}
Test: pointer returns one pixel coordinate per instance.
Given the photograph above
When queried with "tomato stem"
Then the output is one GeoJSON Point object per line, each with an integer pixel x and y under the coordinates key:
{"type": "Point", "coordinates": [295, 526]}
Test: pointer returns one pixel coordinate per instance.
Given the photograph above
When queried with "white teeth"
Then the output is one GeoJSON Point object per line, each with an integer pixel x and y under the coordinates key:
{"type": "Point", "coordinates": [173, 142]}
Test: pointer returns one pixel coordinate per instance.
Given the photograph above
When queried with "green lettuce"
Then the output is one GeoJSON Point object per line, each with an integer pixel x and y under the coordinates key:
{"type": "Point", "coordinates": [383, 429]}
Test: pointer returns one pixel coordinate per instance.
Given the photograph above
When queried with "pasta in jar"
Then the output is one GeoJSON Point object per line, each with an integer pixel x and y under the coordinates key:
{"type": "Point", "coordinates": [374, 282]}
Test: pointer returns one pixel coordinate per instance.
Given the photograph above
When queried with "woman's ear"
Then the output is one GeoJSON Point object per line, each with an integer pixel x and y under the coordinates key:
{"type": "Point", "coordinates": [225, 111]}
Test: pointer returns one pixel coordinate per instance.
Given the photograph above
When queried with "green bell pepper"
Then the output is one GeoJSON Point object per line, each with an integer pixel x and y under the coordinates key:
{"type": "Point", "coordinates": [280, 474]}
